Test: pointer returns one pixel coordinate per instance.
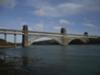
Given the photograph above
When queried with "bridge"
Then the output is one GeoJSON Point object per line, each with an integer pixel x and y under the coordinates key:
{"type": "Point", "coordinates": [28, 37]}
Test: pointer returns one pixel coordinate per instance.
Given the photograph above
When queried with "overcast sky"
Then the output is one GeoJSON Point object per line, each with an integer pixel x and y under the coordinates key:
{"type": "Point", "coordinates": [77, 16]}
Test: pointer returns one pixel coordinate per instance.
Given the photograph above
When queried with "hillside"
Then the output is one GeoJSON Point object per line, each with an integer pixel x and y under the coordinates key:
{"type": "Point", "coordinates": [91, 41]}
{"type": "Point", "coordinates": [46, 42]}
{"type": "Point", "coordinates": [4, 43]}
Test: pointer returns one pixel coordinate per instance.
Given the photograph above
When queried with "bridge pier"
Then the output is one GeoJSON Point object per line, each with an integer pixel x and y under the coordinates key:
{"type": "Point", "coordinates": [63, 38]}
{"type": "Point", "coordinates": [25, 36]}
{"type": "Point", "coordinates": [15, 40]}
{"type": "Point", "coordinates": [5, 36]}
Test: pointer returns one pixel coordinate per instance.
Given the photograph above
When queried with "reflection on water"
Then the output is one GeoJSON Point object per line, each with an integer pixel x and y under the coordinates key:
{"type": "Point", "coordinates": [58, 60]}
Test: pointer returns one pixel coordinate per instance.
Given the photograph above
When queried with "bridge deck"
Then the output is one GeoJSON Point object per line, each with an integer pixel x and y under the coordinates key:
{"type": "Point", "coordinates": [19, 32]}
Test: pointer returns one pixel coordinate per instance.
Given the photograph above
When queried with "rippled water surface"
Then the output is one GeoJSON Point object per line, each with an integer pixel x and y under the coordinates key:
{"type": "Point", "coordinates": [59, 60]}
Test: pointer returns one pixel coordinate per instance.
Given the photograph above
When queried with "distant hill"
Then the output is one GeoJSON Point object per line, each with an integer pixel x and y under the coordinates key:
{"type": "Point", "coordinates": [76, 42]}
{"type": "Point", "coordinates": [46, 42]}
{"type": "Point", "coordinates": [94, 41]}
{"type": "Point", "coordinates": [91, 41]}
{"type": "Point", "coordinates": [5, 43]}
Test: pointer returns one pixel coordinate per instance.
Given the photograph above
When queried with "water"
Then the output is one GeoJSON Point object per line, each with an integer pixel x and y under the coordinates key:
{"type": "Point", "coordinates": [59, 60]}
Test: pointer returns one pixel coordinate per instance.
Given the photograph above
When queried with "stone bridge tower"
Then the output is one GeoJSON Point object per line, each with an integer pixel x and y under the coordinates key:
{"type": "Point", "coordinates": [63, 38]}
{"type": "Point", "coordinates": [25, 36]}
{"type": "Point", "coordinates": [63, 31]}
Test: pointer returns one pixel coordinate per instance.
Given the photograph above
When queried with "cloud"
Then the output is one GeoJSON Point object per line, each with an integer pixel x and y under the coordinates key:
{"type": "Point", "coordinates": [92, 27]}
{"type": "Point", "coordinates": [48, 11]}
{"type": "Point", "coordinates": [92, 5]}
{"type": "Point", "coordinates": [70, 8]}
{"type": "Point", "coordinates": [36, 3]}
{"type": "Point", "coordinates": [40, 12]}
{"type": "Point", "coordinates": [50, 8]}
{"type": "Point", "coordinates": [8, 3]}
{"type": "Point", "coordinates": [64, 22]}
{"type": "Point", "coordinates": [58, 10]}
{"type": "Point", "coordinates": [57, 28]}
{"type": "Point", "coordinates": [38, 27]}
{"type": "Point", "coordinates": [2, 27]}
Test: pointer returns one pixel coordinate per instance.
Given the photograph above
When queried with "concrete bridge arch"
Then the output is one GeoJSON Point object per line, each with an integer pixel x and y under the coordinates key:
{"type": "Point", "coordinates": [83, 40]}
{"type": "Point", "coordinates": [61, 40]}
{"type": "Point", "coordinates": [34, 38]}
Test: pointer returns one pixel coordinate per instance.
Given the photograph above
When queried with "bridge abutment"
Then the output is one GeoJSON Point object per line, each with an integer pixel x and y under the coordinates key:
{"type": "Point", "coordinates": [25, 36]}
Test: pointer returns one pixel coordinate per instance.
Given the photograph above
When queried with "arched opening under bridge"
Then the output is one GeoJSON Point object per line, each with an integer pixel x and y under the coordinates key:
{"type": "Point", "coordinates": [76, 42]}
{"type": "Point", "coordinates": [46, 41]}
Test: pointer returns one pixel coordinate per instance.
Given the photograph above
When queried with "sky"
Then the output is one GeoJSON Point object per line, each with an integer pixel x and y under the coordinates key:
{"type": "Point", "coordinates": [77, 16]}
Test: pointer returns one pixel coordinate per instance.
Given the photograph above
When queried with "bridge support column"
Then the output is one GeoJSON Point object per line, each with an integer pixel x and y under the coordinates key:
{"type": "Point", "coordinates": [5, 36]}
{"type": "Point", "coordinates": [63, 38]}
{"type": "Point", "coordinates": [15, 40]}
{"type": "Point", "coordinates": [25, 36]}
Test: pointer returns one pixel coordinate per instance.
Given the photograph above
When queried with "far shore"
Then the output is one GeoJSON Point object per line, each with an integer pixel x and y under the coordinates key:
{"type": "Point", "coordinates": [7, 46]}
